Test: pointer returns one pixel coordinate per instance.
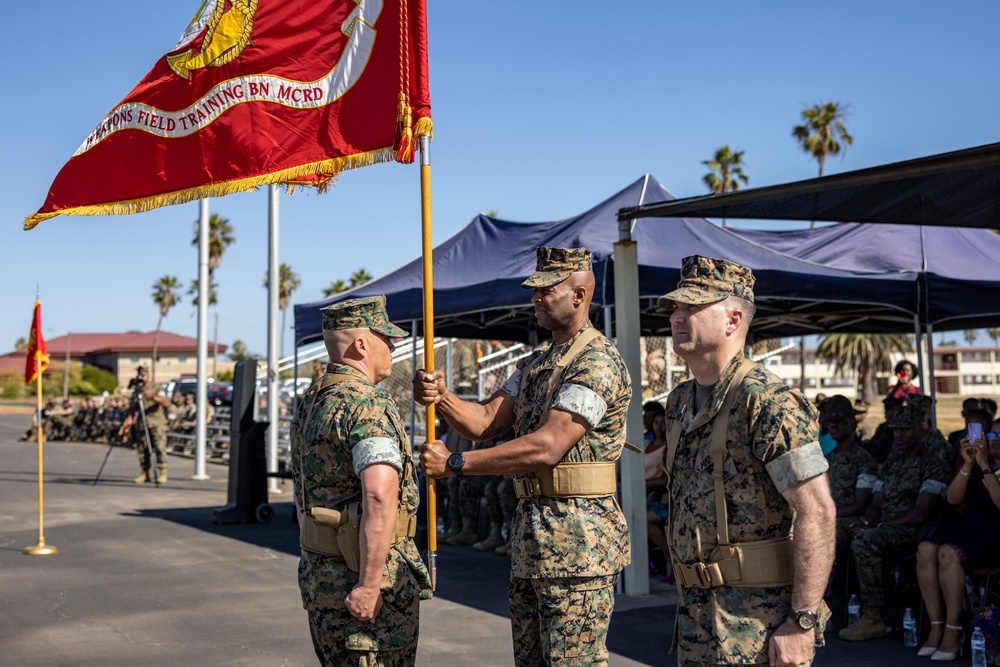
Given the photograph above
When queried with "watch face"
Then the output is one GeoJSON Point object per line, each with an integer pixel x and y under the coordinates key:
{"type": "Point", "coordinates": [455, 462]}
{"type": "Point", "coordinates": [806, 620]}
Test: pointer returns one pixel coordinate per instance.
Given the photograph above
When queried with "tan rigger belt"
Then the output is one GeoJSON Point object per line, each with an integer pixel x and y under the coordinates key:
{"type": "Point", "coordinates": [321, 538]}
{"type": "Point", "coordinates": [586, 479]}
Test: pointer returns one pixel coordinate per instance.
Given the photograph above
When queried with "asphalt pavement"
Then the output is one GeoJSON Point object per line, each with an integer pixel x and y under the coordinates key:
{"type": "Point", "coordinates": [144, 576]}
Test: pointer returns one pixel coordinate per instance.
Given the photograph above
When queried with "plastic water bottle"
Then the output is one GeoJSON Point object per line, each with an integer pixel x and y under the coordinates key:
{"type": "Point", "coordinates": [909, 628]}
{"type": "Point", "coordinates": [978, 648]}
{"type": "Point", "coordinates": [853, 609]}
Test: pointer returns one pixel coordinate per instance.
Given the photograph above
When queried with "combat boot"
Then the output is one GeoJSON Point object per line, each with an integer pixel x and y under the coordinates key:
{"type": "Point", "coordinates": [492, 541]}
{"type": "Point", "coordinates": [503, 549]}
{"type": "Point", "coordinates": [143, 478]}
{"type": "Point", "coordinates": [869, 626]}
{"type": "Point", "coordinates": [161, 475]}
{"type": "Point", "coordinates": [467, 536]}
{"type": "Point", "coordinates": [454, 529]}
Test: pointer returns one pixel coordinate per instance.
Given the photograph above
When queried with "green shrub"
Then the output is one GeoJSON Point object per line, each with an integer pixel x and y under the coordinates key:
{"type": "Point", "coordinates": [99, 379]}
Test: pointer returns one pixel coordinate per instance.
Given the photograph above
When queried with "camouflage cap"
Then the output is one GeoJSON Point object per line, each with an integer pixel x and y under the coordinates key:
{"type": "Point", "coordinates": [705, 280]}
{"type": "Point", "coordinates": [912, 415]}
{"type": "Point", "coordinates": [840, 406]}
{"type": "Point", "coordinates": [554, 265]}
{"type": "Point", "coordinates": [364, 313]}
{"type": "Point", "coordinates": [921, 401]}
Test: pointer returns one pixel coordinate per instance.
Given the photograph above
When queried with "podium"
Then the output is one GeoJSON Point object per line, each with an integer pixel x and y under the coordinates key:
{"type": "Point", "coordinates": [247, 500]}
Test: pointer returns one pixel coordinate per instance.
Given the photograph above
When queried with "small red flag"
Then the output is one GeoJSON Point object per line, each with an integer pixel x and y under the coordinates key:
{"type": "Point", "coordinates": [38, 353]}
{"type": "Point", "coordinates": [257, 92]}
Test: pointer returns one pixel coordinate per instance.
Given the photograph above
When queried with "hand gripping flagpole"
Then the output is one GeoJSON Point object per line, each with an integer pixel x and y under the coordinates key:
{"type": "Point", "coordinates": [40, 549]}
{"type": "Point", "coordinates": [428, 263]}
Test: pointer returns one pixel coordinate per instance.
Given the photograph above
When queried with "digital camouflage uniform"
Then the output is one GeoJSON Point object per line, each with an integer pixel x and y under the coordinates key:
{"type": "Point", "coordinates": [156, 420]}
{"type": "Point", "coordinates": [849, 471]}
{"type": "Point", "coordinates": [355, 424]}
{"type": "Point", "coordinates": [936, 443]}
{"type": "Point", "coordinates": [771, 445]}
{"type": "Point", "coordinates": [566, 553]}
{"type": "Point", "coordinates": [901, 480]}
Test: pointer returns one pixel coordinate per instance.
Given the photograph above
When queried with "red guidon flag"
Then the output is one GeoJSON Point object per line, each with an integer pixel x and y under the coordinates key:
{"type": "Point", "coordinates": [257, 92]}
{"type": "Point", "coordinates": [38, 353]}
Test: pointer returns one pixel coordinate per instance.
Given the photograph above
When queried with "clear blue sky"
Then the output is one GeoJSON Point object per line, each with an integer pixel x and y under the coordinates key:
{"type": "Point", "coordinates": [541, 110]}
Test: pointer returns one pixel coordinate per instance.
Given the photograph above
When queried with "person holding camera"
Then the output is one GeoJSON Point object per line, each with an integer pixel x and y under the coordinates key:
{"type": "Point", "coordinates": [149, 405]}
{"type": "Point", "coordinates": [968, 544]}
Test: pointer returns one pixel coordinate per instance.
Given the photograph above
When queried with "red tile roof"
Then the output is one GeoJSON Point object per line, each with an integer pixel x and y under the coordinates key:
{"type": "Point", "coordinates": [82, 344]}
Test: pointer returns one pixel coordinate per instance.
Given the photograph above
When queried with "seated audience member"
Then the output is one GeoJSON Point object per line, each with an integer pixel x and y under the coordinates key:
{"type": "Point", "coordinates": [864, 428]}
{"type": "Point", "coordinates": [977, 415]}
{"type": "Point", "coordinates": [991, 407]}
{"type": "Point", "coordinates": [880, 444]}
{"type": "Point", "coordinates": [906, 373]}
{"type": "Point", "coordinates": [968, 405]}
{"type": "Point", "coordinates": [853, 472]}
{"type": "Point", "coordinates": [656, 486]}
{"type": "Point", "coordinates": [969, 543]}
{"type": "Point", "coordinates": [649, 410]}
{"type": "Point", "coordinates": [908, 495]}
{"type": "Point", "coordinates": [934, 440]}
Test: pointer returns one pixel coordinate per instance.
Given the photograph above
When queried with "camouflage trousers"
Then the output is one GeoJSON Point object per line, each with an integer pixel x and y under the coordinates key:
{"type": "Point", "coordinates": [561, 621]}
{"type": "Point", "coordinates": [339, 639]}
{"type": "Point", "coordinates": [472, 489]}
{"type": "Point", "coordinates": [508, 499]}
{"type": "Point", "coordinates": [157, 441]}
{"type": "Point", "coordinates": [323, 626]}
{"type": "Point", "coordinates": [872, 549]}
{"type": "Point", "coordinates": [452, 485]}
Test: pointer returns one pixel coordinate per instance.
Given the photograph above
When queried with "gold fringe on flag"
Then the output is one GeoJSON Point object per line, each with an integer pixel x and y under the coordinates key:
{"type": "Point", "coordinates": [287, 177]}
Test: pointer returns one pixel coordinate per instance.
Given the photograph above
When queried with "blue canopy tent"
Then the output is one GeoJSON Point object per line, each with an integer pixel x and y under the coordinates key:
{"type": "Point", "coordinates": [478, 274]}
{"type": "Point", "coordinates": [958, 268]}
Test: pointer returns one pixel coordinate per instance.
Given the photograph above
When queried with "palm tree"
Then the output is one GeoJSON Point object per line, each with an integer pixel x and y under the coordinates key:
{"type": "Point", "coordinates": [862, 354]}
{"type": "Point", "coordinates": [970, 335]}
{"type": "Point", "coordinates": [238, 352]}
{"type": "Point", "coordinates": [335, 287]}
{"type": "Point", "coordinates": [360, 277]}
{"type": "Point", "coordinates": [165, 296]}
{"type": "Point", "coordinates": [994, 333]}
{"type": "Point", "coordinates": [20, 343]}
{"type": "Point", "coordinates": [727, 172]}
{"type": "Point", "coordinates": [288, 282]}
{"type": "Point", "coordinates": [822, 133]}
{"type": "Point", "coordinates": [212, 293]}
{"type": "Point", "coordinates": [220, 237]}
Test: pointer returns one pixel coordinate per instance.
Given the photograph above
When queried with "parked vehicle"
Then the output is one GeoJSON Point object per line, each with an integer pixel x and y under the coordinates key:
{"type": "Point", "coordinates": [220, 394]}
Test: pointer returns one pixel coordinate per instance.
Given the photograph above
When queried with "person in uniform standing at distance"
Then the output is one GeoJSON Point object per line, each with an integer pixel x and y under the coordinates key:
{"type": "Point", "coordinates": [154, 405]}
{"type": "Point", "coordinates": [360, 574]}
{"type": "Point", "coordinates": [567, 404]}
{"type": "Point", "coordinates": [745, 467]}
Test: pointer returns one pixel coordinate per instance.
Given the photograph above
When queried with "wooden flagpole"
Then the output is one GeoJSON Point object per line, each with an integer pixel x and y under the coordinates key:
{"type": "Point", "coordinates": [428, 264]}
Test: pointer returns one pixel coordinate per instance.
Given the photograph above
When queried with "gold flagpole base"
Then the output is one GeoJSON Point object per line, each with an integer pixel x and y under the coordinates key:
{"type": "Point", "coordinates": [40, 549]}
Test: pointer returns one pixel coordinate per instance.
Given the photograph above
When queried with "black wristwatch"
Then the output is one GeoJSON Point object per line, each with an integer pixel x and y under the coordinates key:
{"type": "Point", "coordinates": [455, 464]}
{"type": "Point", "coordinates": [805, 619]}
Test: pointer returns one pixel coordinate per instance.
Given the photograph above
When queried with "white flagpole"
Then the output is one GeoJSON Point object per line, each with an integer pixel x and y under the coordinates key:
{"type": "Point", "coordinates": [204, 290]}
{"type": "Point", "coordinates": [272, 337]}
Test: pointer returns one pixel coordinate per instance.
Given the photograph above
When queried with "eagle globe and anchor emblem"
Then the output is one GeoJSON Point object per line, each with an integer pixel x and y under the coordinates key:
{"type": "Point", "coordinates": [226, 27]}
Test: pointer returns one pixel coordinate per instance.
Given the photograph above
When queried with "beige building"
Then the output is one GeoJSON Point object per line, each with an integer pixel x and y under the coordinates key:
{"type": "Point", "coordinates": [120, 354]}
{"type": "Point", "coordinates": [958, 371]}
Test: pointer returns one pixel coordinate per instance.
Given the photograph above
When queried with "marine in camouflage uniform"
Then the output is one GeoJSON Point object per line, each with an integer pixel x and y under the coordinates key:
{"type": "Point", "coordinates": [566, 552]}
{"type": "Point", "coordinates": [153, 405]}
{"type": "Point", "coordinates": [853, 472]}
{"type": "Point", "coordinates": [908, 495]}
{"type": "Point", "coordinates": [880, 444]}
{"type": "Point", "coordinates": [771, 449]}
{"type": "Point", "coordinates": [340, 431]}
